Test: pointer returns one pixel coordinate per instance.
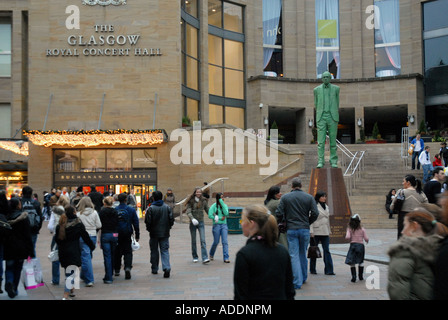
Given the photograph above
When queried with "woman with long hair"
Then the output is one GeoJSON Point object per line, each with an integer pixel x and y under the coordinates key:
{"type": "Point", "coordinates": [413, 258]}
{"type": "Point", "coordinates": [196, 206]}
{"type": "Point", "coordinates": [320, 231]}
{"type": "Point", "coordinates": [91, 220]}
{"type": "Point", "coordinates": [262, 267]}
{"type": "Point", "coordinates": [271, 202]}
{"type": "Point", "coordinates": [413, 197]}
{"type": "Point", "coordinates": [69, 231]}
{"type": "Point", "coordinates": [219, 212]}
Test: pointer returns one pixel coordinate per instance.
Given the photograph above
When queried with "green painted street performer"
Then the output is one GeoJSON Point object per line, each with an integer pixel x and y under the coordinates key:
{"type": "Point", "coordinates": [326, 101]}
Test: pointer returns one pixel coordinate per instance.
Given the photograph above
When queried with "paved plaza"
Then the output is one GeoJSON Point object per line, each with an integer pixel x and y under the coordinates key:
{"type": "Point", "coordinates": [195, 281]}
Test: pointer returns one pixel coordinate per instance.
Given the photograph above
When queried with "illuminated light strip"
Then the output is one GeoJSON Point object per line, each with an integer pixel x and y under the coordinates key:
{"type": "Point", "coordinates": [12, 146]}
{"type": "Point", "coordinates": [95, 137]}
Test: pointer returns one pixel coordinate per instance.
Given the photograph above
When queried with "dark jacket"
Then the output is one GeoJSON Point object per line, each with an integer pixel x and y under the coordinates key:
{"type": "Point", "coordinates": [440, 272]}
{"type": "Point", "coordinates": [70, 248]}
{"type": "Point", "coordinates": [263, 273]}
{"type": "Point", "coordinates": [159, 219]}
{"type": "Point", "coordinates": [109, 220]}
{"type": "Point", "coordinates": [431, 189]}
{"type": "Point", "coordinates": [18, 245]}
{"type": "Point", "coordinates": [131, 219]}
{"type": "Point", "coordinates": [299, 209]}
{"type": "Point", "coordinates": [97, 200]}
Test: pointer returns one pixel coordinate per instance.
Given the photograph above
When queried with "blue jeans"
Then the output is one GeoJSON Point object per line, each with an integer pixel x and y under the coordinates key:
{"type": "Point", "coordinates": [34, 240]}
{"type": "Point", "coordinates": [108, 245]}
{"type": "Point", "coordinates": [55, 265]}
{"type": "Point", "coordinates": [201, 229]}
{"type": "Point", "coordinates": [163, 244]}
{"type": "Point", "coordinates": [298, 241]}
{"type": "Point", "coordinates": [13, 271]}
{"type": "Point", "coordinates": [328, 261]}
{"type": "Point", "coordinates": [220, 230]}
{"type": "Point", "coordinates": [415, 155]}
{"type": "Point", "coordinates": [427, 169]}
{"type": "Point", "coordinates": [86, 259]}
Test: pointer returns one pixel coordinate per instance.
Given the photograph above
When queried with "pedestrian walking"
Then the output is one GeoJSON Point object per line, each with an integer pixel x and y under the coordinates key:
{"type": "Point", "coordinates": [320, 231]}
{"type": "Point", "coordinates": [91, 220]}
{"type": "Point", "coordinates": [97, 197]}
{"type": "Point", "coordinates": [32, 206]}
{"type": "Point", "coordinates": [300, 210]}
{"type": "Point", "coordinates": [17, 247]}
{"type": "Point", "coordinates": [444, 153]}
{"type": "Point", "coordinates": [170, 199]}
{"type": "Point", "coordinates": [69, 231]}
{"type": "Point", "coordinates": [108, 236]}
{"type": "Point", "coordinates": [425, 160]}
{"type": "Point", "coordinates": [419, 146]}
{"type": "Point", "coordinates": [413, 258]}
{"type": "Point", "coordinates": [4, 212]}
{"type": "Point", "coordinates": [434, 187]}
{"type": "Point", "coordinates": [389, 198]}
{"type": "Point", "coordinates": [219, 212]}
{"type": "Point", "coordinates": [263, 268]}
{"type": "Point", "coordinates": [159, 219]}
{"type": "Point", "coordinates": [197, 204]}
{"type": "Point", "coordinates": [357, 235]}
{"type": "Point", "coordinates": [128, 225]}
{"type": "Point", "coordinates": [413, 197]}
{"type": "Point", "coordinates": [271, 202]}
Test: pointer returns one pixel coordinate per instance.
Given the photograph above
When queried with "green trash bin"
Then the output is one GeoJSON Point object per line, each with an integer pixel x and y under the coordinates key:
{"type": "Point", "coordinates": [234, 220]}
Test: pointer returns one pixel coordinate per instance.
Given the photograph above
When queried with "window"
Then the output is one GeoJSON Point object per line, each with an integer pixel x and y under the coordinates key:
{"type": "Point", "coordinates": [327, 38]}
{"type": "Point", "coordinates": [190, 7]}
{"type": "Point", "coordinates": [387, 38]}
{"type": "Point", "coordinates": [435, 35]}
{"type": "Point", "coordinates": [226, 62]}
{"type": "Point", "coordinates": [5, 47]}
{"type": "Point", "coordinates": [272, 38]}
{"type": "Point", "coordinates": [5, 120]}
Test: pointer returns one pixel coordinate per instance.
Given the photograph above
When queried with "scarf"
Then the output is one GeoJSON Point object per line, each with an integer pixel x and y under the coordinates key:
{"type": "Point", "coordinates": [323, 205]}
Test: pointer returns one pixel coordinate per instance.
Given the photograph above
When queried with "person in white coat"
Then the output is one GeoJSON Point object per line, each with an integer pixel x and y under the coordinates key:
{"type": "Point", "coordinates": [320, 232]}
{"type": "Point", "coordinates": [91, 221]}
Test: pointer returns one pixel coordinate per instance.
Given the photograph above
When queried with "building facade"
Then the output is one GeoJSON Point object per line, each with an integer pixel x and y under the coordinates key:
{"type": "Point", "coordinates": [99, 86]}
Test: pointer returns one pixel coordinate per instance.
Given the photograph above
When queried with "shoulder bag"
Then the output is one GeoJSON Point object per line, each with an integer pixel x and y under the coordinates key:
{"type": "Point", "coordinates": [399, 200]}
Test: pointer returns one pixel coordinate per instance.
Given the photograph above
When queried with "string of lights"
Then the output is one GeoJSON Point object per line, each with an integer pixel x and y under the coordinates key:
{"type": "Point", "coordinates": [90, 138]}
{"type": "Point", "coordinates": [15, 146]}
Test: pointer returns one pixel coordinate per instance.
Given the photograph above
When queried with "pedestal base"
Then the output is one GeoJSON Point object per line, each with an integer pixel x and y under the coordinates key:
{"type": "Point", "coordinates": [331, 180]}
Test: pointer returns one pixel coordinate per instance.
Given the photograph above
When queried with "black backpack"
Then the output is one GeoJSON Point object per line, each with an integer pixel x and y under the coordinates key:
{"type": "Point", "coordinates": [124, 221]}
{"type": "Point", "coordinates": [33, 217]}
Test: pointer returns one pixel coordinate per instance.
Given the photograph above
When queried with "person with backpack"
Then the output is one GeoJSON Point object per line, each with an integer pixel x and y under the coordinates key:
{"type": "Point", "coordinates": [35, 217]}
{"type": "Point", "coordinates": [128, 224]}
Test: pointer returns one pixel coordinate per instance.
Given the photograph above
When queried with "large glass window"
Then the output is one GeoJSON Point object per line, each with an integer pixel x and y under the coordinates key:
{"type": "Point", "coordinates": [190, 7]}
{"type": "Point", "coordinates": [272, 38]}
{"type": "Point", "coordinates": [5, 120]}
{"type": "Point", "coordinates": [435, 35]}
{"type": "Point", "coordinates": [5, 47]}
{"type": "Point", "coordinates": [190, 56]}
{"type": "Point", "coordinates": [327, 38]}
{"type": "Point", "coordinates": [387, 38]}
{"type": "Point", "coordinates": [226, 62]}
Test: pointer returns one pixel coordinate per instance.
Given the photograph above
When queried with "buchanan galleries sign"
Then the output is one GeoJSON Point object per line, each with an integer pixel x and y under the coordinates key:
{"type": "Point", "coordinates": [103, 43]}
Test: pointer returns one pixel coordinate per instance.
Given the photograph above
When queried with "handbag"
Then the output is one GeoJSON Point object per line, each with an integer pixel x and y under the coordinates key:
{"type": "Point", "coordinates": [32, 274]}
{"type": "Point", "coordinates": [314, 252]}
{"type": "Point", "coordinates": [54, 254]}
{"type": "Point", "coordinates": [411, 149]}
{"type": "Point", "coordinates": [398, 203]}
{"type": "Point", "coordinates": [282, 225]}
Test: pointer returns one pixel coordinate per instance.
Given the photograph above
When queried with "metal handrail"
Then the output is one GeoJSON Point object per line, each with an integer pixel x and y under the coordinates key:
{"type": "Point", "coordinates": [180, 203]}
{"type": "Point", "coordinates": [282, 168]}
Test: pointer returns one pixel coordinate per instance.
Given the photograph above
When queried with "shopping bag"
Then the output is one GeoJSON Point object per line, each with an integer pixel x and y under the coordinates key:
{"type": "Point", "coordinates": [54, 254]}
{"type": "Point", "coordinates": [32, 274]}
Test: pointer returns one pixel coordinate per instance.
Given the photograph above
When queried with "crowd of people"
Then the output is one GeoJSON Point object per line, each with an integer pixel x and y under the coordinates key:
{"type": "Point", "coordinates": [273, 263]}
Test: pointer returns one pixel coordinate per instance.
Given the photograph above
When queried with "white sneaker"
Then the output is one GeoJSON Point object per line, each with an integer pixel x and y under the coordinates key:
{"type": "Point", "coordinates": [206, 261]}
{"type": "Point", "coordinates": [195, 260]}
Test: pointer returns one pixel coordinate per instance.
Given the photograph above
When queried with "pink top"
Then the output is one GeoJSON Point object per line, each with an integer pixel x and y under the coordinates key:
{"type": "Point", "coordinates": [357, 236]}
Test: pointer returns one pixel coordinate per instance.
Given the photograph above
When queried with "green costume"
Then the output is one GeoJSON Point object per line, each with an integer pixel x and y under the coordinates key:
{"type": "Point", "coordinates": [326, 102]}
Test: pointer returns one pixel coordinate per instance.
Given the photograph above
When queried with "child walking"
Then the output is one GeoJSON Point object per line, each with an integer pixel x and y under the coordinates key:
{"type": "Point", "coordinates": [355, 256]}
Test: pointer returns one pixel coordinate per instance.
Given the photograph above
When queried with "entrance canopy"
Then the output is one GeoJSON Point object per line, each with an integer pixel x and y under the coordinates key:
{"type": "Point", "coordinates": [90, 138]}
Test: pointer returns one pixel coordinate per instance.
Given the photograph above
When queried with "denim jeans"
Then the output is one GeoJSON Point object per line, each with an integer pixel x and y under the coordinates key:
{"type": "Point", "coordinates": [108, 245]}
{"type": "Point", "coordinates": [13, 271]}
{"type": "Point", "coordinates": [55, 265]}
{"type": "Point", "coordinates": [163, 244]}
{"type": "Point", "coordinates": [34, 240]}
{"type": "Point", "coordinates": [86, 259]}
{"type": "Point", "coordinates": [415, 155]}
{"type": "Point", "coordinates": [69, 272]}
{"type": "Point", "coordinates": [220, 230]}
{"type": "Point", "coordinates": [201, 229]}
{"type": "Point", "coordinates": [123, 249]}
{"type": "Point", "coordinates": [298, 241]}
{"type": "Point", "coordinates": [427, 169]}
{"type": "Point", "coordinates": [328, 261]}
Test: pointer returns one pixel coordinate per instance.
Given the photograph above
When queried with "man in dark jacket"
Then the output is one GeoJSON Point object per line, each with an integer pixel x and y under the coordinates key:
{"type": "Point", "coordinates": [159, 219]}
{"type": "Point", "coordinates": [97, 198]}
{"type": "Point", "coordinates": [35, 216]}
{"type": "Point", "coordinates": [300, 210]}
{"type": "Point", "coordinates": [128, 224]}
